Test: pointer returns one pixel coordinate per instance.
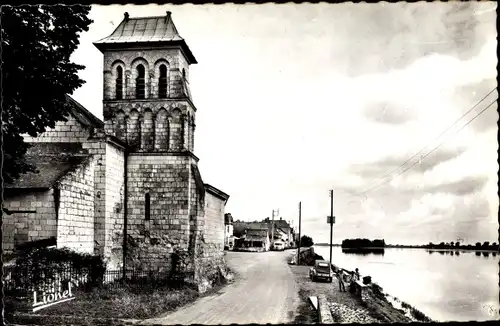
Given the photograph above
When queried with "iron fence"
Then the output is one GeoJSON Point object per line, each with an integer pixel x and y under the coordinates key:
{"type": "Point", "coordinates": [23, 281]}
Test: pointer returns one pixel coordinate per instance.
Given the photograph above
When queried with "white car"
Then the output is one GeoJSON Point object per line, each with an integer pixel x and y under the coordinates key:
{"type": "Point", "coordinates": [279, 246]}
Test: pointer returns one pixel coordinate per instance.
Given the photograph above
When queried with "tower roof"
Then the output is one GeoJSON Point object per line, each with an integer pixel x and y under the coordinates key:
{"type": "Point", "coordinates": [146, 30]}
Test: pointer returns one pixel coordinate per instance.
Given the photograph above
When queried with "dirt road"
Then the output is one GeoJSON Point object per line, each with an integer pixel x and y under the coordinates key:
{"type": "Point", "coordinates": [264, 291]}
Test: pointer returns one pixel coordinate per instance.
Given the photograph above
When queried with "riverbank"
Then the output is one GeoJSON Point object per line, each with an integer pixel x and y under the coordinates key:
{"type": "Point", "coordinates": [347, 307]}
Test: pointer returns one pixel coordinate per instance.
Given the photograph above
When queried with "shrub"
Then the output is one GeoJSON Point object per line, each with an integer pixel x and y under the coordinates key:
{"type": "Point", "coordinates": [37, 266]}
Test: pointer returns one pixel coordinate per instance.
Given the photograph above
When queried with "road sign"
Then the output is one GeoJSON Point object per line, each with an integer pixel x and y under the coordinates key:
{"type": "Point", "coordinates": [329, 220]}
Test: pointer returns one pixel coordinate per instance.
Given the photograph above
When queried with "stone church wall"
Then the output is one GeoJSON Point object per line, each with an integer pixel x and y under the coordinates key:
{"type": "Point", "coordinates": [165, 178]}
{"type": "Point", "coordinates": [70, 131]}
{"type": "Point", "coordinates": [114, 209]}
{"type": "Point", "coordinates": [75, 229]}
{"type": "Point", "coordinates": [23, 227]}
{"type": "Point", "coordinates": [210, 256]}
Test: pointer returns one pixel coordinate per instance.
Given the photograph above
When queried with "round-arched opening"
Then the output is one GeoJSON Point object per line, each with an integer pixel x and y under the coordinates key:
{"type": "Point", "coordinates": [119, 83]}
{"type": "Point", "coordinates": [162, 82]}
{"type": "Point", "coordinates": [140, 87]}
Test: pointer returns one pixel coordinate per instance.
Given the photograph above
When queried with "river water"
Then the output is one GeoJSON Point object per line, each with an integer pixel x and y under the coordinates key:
{"type": "Point", "coordinates": [445, 287]}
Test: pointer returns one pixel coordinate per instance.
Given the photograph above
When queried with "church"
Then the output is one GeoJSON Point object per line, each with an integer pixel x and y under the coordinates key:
{"type": "Point", "coordinates": [127, 188]}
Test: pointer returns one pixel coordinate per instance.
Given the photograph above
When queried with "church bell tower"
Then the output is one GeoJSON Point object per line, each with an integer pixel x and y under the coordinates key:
{"type": "Point", "coordinates": [147, 104]}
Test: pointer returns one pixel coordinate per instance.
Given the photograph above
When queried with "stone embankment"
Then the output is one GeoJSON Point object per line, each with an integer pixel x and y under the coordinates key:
{"type": "Point", "coordinates": [362, 303]}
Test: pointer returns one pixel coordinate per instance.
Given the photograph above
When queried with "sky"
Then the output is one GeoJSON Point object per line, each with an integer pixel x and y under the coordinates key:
{"type": "Point", "coordinates": [296, 99]}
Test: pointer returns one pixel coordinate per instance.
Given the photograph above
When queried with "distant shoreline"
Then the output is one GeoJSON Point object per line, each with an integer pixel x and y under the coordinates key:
{"type": "Point", "coordinates": [409, 247]}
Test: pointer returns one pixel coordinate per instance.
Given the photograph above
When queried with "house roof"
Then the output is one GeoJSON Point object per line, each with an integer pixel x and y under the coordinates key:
{"type": "Point", "coordinates": [256, 234]}
{"type": "Point", "coordinates": [140, 30]}
{"type": "Point", "coordinates": [282, 224]}
{"type": "Point", "coordinates": [216, 192]}
{"type": "Point", "coordinates": [53, 161]}
{"type": "Point", "coordinates": [84, 116]}
{"type": "Point", "coordinates": [240, 227]}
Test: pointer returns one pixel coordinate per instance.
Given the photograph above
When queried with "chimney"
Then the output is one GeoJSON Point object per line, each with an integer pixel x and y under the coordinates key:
{"type": "Point", "coordinates": [126, 16]}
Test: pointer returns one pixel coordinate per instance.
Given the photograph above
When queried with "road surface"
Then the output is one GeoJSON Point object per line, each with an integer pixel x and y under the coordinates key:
{"type": "Point", "coordinates": [264, 291]}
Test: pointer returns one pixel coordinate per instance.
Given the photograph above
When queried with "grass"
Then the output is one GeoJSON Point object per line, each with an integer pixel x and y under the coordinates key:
{"type": "Point", "coordinates": [127, 302]}
{"type": "Point", "coordinates": [417, 314]}
{"type": "Point", "coordinates": [305, 312]}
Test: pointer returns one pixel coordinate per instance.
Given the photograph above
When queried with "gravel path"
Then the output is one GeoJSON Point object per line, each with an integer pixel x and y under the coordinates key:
{"type": "Point", "coordinates": [264, 291]}
{"type": "Point", "coordinates": [344, 304]}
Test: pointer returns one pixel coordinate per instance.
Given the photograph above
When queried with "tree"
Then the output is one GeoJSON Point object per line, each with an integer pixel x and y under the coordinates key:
{"type": "Point", "coordinates": [452, 244]}
{"type": "Point", "coordinates": [486, 245]}
{"type": "Point", "coordinates": [478, 245]}
{"type": "Point", "coordinates": [457, 244]}
{"type": "Point", "coordinates": [306, 241]}
{"type": "Point", "coordinates": [37, 42]}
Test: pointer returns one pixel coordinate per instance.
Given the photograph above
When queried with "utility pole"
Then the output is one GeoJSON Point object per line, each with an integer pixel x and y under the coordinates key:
{"type": "Point", "coordinates": [272, 229]}
{"type": "Point", "coordinates": [331, 220]}
{"type": "Point", "coordinates": [298, 243]}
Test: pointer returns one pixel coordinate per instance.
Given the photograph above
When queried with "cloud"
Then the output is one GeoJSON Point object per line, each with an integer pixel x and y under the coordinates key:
{"type": "Point", "coordinates": [465, 186]}
{"type": "Point", "coordinates": [471, 94]}
{"type": "Point", "coordinates": [394, 35]}
{"type": "Point", "coordinates": [387, 113]}
{"type": "Point", "coordinates": [383, 166]}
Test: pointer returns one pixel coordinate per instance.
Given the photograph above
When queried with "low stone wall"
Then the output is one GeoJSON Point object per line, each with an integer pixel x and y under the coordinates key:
{"type": "Point", "coordinates": [307, 256]}
{"type": "Point", "coordinates": [325, 315]}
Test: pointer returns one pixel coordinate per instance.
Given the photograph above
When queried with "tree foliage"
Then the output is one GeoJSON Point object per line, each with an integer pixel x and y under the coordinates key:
{"type": "Point", "coordinates": [363, 243]}
{"type": "Point", "coordinates": [306, 241]}
{"type": "Point", "coordinates": [37, 42]}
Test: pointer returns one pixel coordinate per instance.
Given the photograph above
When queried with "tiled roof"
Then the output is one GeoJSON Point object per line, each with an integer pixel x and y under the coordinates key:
{"type": "Point", "coordinates": [84, 116]}
{"type": "Point", "coordinates": [253, 233]}
{"type": "Point", "coordinates": [282, 224]}
{"type": "Point", "coordinates": [53, 161]}
{"type": "Point", "coordinates": [159, 29]}
{"type": "Point", "coordinates": [216, 192]}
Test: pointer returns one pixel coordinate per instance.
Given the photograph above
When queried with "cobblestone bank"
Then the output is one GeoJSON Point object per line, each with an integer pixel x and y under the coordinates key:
{"type": "Point", "coordinates": [344, 314]}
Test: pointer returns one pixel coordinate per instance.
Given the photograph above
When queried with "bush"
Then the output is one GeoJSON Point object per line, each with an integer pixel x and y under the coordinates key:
{"type": "Point", "coordinates": [36, 266]}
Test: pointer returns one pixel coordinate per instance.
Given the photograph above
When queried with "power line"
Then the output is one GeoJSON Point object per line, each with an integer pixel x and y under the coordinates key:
{"type": "Point", "coordinates": [423, 157]}
{"type": "Point", "coordinates": [446, 130]}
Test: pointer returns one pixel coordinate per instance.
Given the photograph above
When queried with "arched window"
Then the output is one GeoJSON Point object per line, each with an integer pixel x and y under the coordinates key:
{"type": "Point", "coordinates": [119, 83]}
{"type": "Point", "coordinates": [162, 82]}
{"type": "Point", "coordinates": [140, 83]}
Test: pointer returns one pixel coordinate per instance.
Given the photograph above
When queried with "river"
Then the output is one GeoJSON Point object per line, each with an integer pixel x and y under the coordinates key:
{"type": "Point", "coordinates": [443, 286]}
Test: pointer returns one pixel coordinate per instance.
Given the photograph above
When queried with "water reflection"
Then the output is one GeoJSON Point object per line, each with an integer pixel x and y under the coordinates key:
{"type": "Point", "coordinates": [363, 251]}
{"type": "Point", "coordinates": [486, 254]}
{"type": "Point", "coordinates": [478, 253]}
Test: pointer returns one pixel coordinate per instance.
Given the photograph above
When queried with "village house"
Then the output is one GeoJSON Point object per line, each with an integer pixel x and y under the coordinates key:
{"type": "Point", "coordinates": [127, 188]}
{"type": "Point", "coordinates": [228, 232]}
{"type": "Point", "coordinates": [254, 240]}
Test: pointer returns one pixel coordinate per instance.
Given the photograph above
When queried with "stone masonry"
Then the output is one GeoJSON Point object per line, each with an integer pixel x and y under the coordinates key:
{"type": "Point", "coordinates": [134, 174]}
{"type": "Point", "coordinates": [75, 229]}
{"type": "Point", "coordinates": [173, 223]}
{"type": "Point", "coordinates": [23, 227]}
